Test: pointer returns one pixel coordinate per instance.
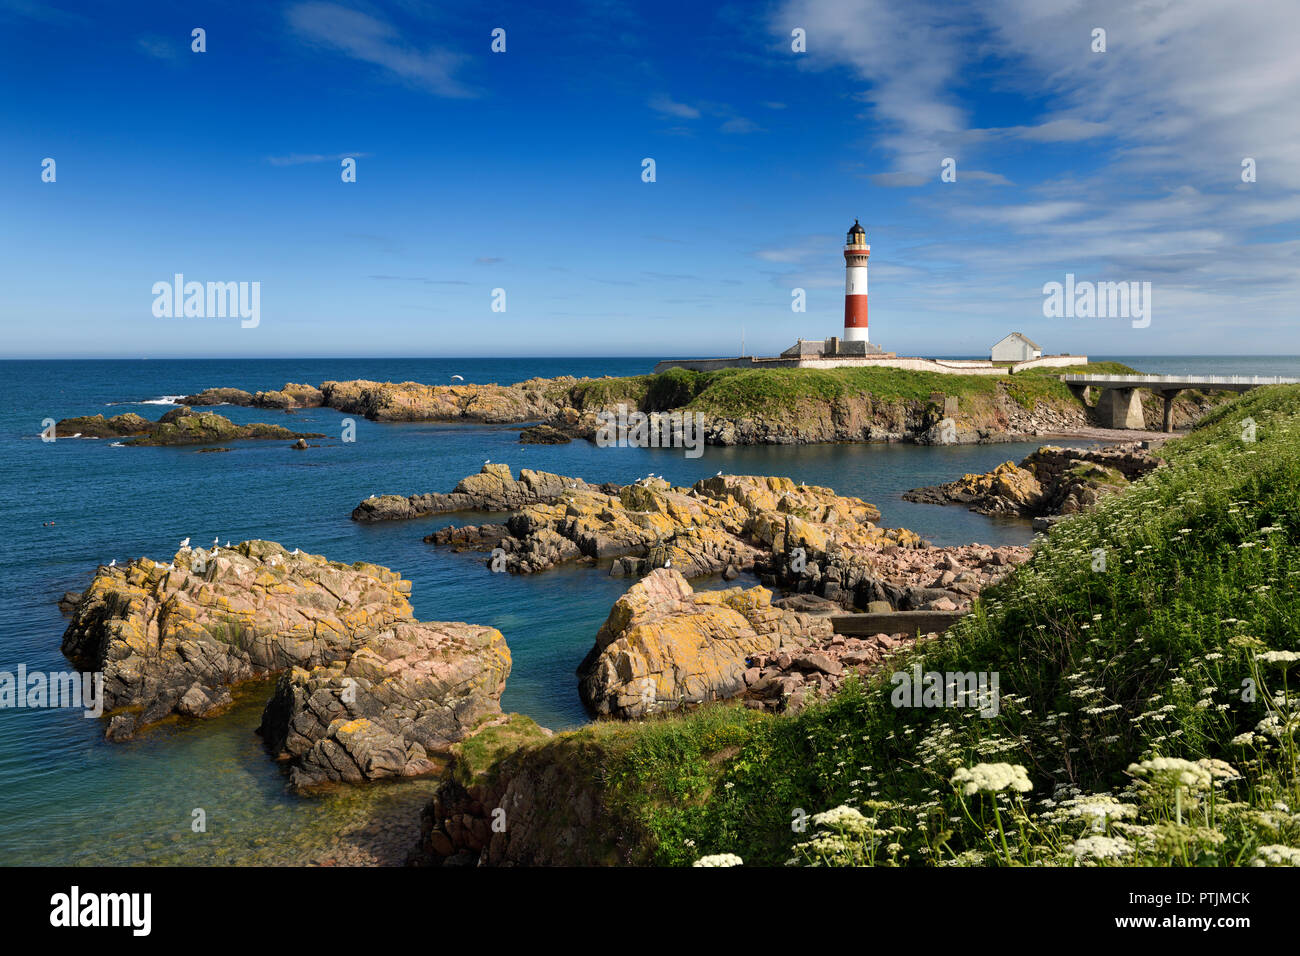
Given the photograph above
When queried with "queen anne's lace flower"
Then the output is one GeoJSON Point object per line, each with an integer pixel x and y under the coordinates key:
{"type": "Point", "coordinates": [1278, 657]}
{"type": "Point", "coordinates": [1276, 855]}
{"type": "Point", "coordinates": [1174, 770]}
{"type": "Point", "coordinates": [992, 778]}
{"type": "Point", "coordinates": [842, 818]}
{"type": "Point", "coordinates": [719, 859]}
{"type": "Point", "coordinates": [1100, 848]}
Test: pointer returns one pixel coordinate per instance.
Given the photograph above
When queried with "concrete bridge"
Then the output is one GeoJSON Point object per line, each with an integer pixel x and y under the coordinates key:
{"type": "Point", "coordinates": [1120, 407]}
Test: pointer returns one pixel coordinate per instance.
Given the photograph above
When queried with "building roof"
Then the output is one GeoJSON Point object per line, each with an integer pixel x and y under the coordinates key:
{"type": "Point", "coordinates": [1019, 335]}
{"type": "Point", "coordinates": [857, 229]}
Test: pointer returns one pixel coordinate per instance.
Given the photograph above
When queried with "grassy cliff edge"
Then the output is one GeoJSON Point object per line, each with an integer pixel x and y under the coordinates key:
{"type": "Point", "coordinates": [1146, 656]}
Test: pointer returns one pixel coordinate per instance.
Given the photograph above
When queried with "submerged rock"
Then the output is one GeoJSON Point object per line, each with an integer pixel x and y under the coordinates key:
{"type": "Point", "coordinates": [543, 435]}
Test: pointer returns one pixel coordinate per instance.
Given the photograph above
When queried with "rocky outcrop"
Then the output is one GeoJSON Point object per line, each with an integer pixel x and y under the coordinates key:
{"type": "Point", "coordinates": [494, 488]}
{"type": "Point", "coordinates": [798, 537]}
{"type": "Point", "coordinates": [720, 523]}
{"type": "Point", "coordinates": [169, 637]}
{"type": "Point", "coordinates": [219, 396]}
{"type": "Point", "coordinates": [665, 646]}
{"type": "Point", "coordinates": [409, 692]}
{"type": "Point", "coordinates": [292, 395]}
{"type": "Point", "coordinates": [1050, 482]}
{"type": "Point", "coordinates": [180, 426]}
{"type": "Point", "coordinates": [97, 426]}
{"type": "Point", "coordinates": [532, 400]}
{"type": "Point", "coordinates": [173, 639]}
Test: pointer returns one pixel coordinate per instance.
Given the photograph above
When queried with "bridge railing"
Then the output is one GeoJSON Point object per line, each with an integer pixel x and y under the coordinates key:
{"type": "Point", "coordinates": [1189, 380]}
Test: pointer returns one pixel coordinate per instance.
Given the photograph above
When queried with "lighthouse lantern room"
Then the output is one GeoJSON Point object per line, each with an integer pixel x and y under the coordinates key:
{"type": "Point", "coordinates": [856, 253]}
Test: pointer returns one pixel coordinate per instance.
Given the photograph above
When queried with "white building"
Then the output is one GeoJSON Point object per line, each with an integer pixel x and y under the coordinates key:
{"type": "Point", "coordinates": [1016, 347]}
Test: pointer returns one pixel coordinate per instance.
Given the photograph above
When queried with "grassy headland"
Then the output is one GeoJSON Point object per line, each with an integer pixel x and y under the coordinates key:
{"type": "Point", "coordinates": [771, 391]}
{"type": "Point", "coordinates": [1148, 712]}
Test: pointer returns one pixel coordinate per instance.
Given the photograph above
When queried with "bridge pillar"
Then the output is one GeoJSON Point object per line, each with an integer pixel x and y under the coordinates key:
{"type": "Point", "coordinates": [1120, 408]}
{"type": "Point", "coordinates": [1168, 395]}
{"type": "Point", "coordinates": [1080, 391]}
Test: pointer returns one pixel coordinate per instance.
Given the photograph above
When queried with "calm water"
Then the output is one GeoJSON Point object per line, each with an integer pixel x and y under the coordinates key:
{"type": "Point", "coordinates": [66, 796]}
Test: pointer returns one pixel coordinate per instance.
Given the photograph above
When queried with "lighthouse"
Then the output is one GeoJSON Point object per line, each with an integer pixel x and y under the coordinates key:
{"type": "Point", "coordinates": [856, 253]}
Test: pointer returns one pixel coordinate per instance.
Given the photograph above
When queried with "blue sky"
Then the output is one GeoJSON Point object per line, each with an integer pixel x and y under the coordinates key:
{"type": "Point", "coordinates": [522, 170]}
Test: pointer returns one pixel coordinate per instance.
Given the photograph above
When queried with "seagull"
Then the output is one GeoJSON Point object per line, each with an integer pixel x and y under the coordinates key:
{"type": "Point", "coordinates": [185, 543]}
{"type": "Point", "coordinates": [460, 378]}
{"type": "Point", "coordinates": [668, 562]}
{"type": "Point", "coordinates": [216, 541]}
{"type": "Point", "coordinates": [372, 498]}
{"type": "Point", "coordinates": [294, 551]}
{"type": "Point", "coordinates": [487, 461]}
{"type": "Point", "coordinates": [113, 563]}
{"type": "Point", "coordinates": [227, 544]}
{"type": "Point", "coordinates": [718, 475]}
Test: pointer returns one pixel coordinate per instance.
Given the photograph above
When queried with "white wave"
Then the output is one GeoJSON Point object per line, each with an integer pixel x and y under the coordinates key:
{"type": "Point", "coordinates": [116, 444]}
{"type": "Point", "coordinates": [165, 400]}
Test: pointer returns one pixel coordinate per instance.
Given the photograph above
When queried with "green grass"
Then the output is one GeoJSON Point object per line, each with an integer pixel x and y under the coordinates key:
{"type": "Point", "coordinates": [774, 391]}
{"type": "Point", "coordinates": [1154, 654]}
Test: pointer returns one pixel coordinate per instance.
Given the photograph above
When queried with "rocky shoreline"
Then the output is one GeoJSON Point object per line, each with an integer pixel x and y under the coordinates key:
{"type": "Point", "coordinates": [1050, 483]}
{"type": "Point", "coordinates": [565, 408]}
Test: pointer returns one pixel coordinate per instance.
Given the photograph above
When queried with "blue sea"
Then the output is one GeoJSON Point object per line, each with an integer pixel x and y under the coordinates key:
{"type": "Point", "coordinates": [69, 797]}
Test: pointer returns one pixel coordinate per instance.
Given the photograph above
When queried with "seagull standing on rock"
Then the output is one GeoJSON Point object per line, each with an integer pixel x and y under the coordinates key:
{"type": "Point", "coordinates": [185, 543]}
{"type": "Point", "coordinates": [113, 563]}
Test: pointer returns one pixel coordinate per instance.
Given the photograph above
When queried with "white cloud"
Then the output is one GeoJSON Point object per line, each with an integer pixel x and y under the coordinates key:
{"type": "Point", "coordinates": [669, 107]}
{"type": "Point", "coordinates": [375, 41]}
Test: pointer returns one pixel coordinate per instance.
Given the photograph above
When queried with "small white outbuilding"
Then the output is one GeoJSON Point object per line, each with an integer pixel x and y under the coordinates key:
{"type": "Point", "coordinates": [1016, 347]}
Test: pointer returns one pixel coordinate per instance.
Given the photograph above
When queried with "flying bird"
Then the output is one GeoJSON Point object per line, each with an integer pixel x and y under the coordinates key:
{"type": "Point", "coordinates": [458, 378]}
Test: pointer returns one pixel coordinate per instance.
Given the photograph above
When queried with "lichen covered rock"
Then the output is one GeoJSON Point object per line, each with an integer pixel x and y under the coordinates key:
{"type": "Point", "coordinates": [169, 637]}
{"type": "Point", "coordinates": [665, 646]}
{"type": "Point", "coordinates": [409, 692]}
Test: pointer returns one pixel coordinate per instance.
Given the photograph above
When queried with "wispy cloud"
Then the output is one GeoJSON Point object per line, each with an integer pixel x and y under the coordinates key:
{"type": "Point", "coordinates": [377, 42]}
{"type": "Point", "coordinates": [157, 47]}
{"type": "Point", "coordinates": [297, 159]}
{"type": "Point", "coordinates": [669, 107]}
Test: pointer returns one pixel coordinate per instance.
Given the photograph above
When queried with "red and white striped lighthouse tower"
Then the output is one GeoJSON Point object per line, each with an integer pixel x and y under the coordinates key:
{"type": "Point", "coordinates": [856, 253]}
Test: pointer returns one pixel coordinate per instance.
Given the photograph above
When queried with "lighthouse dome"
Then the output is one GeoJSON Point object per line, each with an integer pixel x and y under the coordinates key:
{"type": "Point", "coordinates": [856, 231]}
